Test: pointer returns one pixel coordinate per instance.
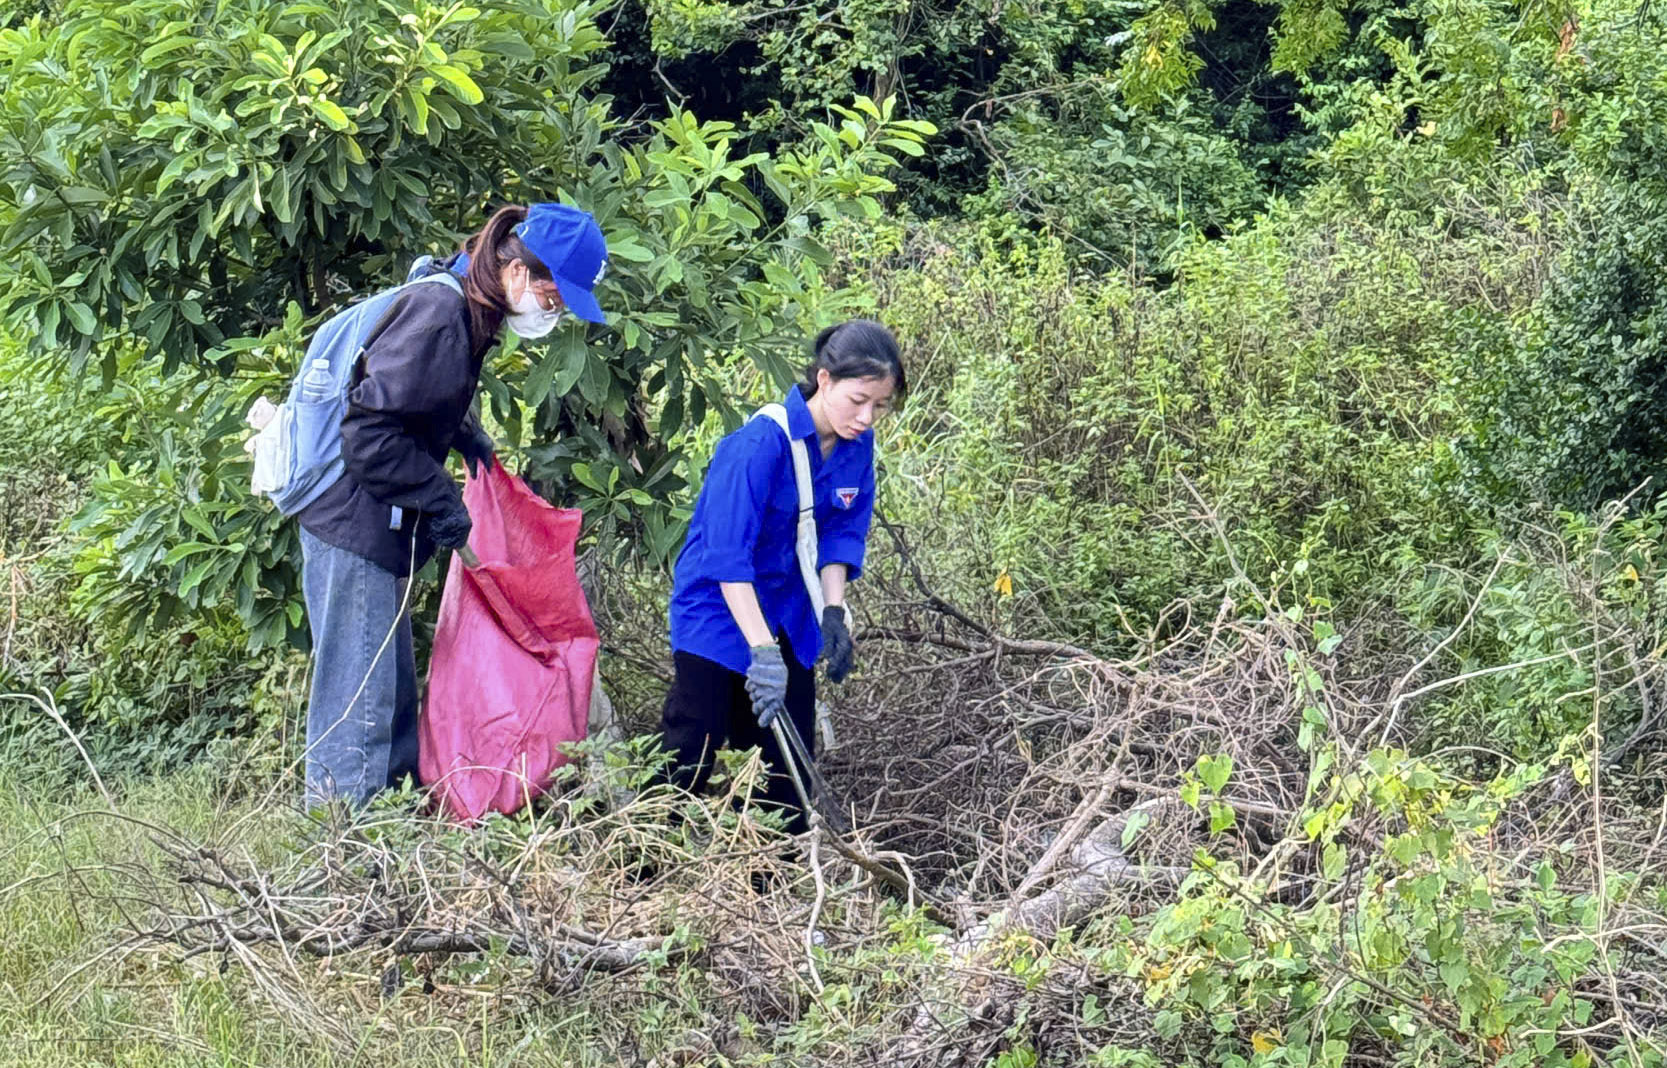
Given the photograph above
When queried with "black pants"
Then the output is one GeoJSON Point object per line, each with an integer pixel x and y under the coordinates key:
{"type": "Point", "coordinates": [708, 707]}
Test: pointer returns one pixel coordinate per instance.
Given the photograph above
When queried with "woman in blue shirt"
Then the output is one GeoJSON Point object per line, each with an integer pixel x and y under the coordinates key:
{"type": "Point", "coordinates": [744, 632]}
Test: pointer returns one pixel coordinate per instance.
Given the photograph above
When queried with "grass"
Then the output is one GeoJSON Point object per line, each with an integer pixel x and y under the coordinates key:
{"type": "Point", "coordinates": [78, 873]}
{"type": "Point", "coordinates": [72, 995]}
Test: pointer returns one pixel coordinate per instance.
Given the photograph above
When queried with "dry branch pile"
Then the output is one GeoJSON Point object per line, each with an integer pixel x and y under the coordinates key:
{"type": "Point", "coordinates": [1014, 788]}
{"type": "Point", "coordinates": [1005, 805]}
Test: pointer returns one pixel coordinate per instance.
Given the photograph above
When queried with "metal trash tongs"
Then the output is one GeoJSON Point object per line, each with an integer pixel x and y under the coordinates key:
{"type": "Point", "coordinates": [796, 756]}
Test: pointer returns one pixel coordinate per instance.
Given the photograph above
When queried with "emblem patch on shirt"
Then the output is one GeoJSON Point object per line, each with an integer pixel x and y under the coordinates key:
{"type": "Point", "coordinates": [846, 495]}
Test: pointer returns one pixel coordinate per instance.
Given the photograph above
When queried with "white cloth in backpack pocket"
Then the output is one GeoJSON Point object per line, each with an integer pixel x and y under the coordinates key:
{"type": "Point", "coordinates": [270, 447]}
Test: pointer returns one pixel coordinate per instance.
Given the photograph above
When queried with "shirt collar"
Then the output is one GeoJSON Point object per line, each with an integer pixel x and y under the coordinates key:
{"type": "Point", "coordinates": [799, 420]}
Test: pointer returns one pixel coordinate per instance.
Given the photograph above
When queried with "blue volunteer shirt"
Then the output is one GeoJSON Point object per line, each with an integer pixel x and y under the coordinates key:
{"type": "Point", "coordinates": [744, 527]}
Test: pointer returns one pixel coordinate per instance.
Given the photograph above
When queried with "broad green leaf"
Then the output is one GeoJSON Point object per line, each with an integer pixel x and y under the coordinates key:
{"type": "Point", "coordinates": [177, 42]}
{"type": "Point", "coordinates": [458, 81]}
{"type": "Point", "coordinates": [282, 204]}
{"type": "Point", "coordinates": [629, 252]}
{"type": "Point", "coordinates": [80, 194]}
{"type": "Point", "coordinates": [80, 316]}
{"type": "Point", "coordinates": [332, 114]}
{"type": "Point", "coordinates": [587, 477]}
{"type": "Point", "coordinates": [811, 250]}
{"type": "Point", "coordinates": [196, 520]}
{"type": "Point", "coordinates": [417, 101]}
{"type": "Point", "coordinates": [1215, 771]}
{"type": "Point", "coordinates": [190, 548]}
{"type": "Point", "coordinates": [537, 384]}
{"type": "Point", "coordinates": [195, 577]}
{"type": "Point", "coordinates": [576, 355]}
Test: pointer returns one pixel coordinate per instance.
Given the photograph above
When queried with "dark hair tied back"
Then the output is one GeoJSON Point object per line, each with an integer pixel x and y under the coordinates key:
{"type": "Point", "coordinates": [489, 252]}
{"type": "Point", "coordinates": [859, 348]}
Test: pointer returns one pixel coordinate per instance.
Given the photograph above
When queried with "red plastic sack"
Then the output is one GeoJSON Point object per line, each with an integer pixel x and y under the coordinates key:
{"type": "Point", "coordinates": [514, 654]}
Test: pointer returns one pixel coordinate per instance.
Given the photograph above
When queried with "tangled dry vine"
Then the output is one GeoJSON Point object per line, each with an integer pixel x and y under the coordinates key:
{"type": "Point", "coordinates": [1015, 791]}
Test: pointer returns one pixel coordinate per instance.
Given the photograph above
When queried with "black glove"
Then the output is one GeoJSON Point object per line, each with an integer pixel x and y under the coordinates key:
{"type": "Point", "coordinates": [475, 446]}
{"type": "Point", "coordinates": [767, 683]}
{"type": "Point", "coordinates": [838, 650]}
{"type": "Point", "coordinates": [450, 528]}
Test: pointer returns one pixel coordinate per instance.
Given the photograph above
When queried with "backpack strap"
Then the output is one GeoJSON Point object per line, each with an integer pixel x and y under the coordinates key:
{"type": "Point", "coordinates": [396, 514]}
{"type": "Point", "coordinates": [441, 276]}
{"type": "Point", "coordinates": [356, 370]}
{"type": "Point", "coordinates": [399, 291]}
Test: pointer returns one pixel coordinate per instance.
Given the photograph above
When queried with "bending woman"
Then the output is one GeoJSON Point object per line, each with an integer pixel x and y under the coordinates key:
{"type": "Point", "coordinates": [410, 403]}
{"type": "Point", "coordinates": [744, 633]}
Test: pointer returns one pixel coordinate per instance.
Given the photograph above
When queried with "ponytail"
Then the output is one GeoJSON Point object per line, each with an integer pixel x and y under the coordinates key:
{"type": "Point", "coordinates": [483, 285]}
{"type": "Point", "coordinates": [859, 348]}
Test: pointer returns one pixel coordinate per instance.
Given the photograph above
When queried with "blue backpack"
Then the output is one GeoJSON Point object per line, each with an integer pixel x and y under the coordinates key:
{"type": "Point", "coordinates": [298, 449]}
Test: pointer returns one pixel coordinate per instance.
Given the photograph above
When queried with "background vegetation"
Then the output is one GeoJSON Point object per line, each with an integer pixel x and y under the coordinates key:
{"type": "Point", "coordinates": [1332, 330]}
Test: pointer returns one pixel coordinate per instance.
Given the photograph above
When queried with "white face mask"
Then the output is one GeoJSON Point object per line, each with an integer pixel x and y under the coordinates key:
{"type": "Point", "coordinates": [529, 319]}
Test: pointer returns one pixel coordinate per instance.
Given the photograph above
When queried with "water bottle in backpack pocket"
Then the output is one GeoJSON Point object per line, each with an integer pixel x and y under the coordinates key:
{"type": "Point", "coordinates": [317, 414]}
{"type": "Point", "coordinates": [317, 404]}
{"type": "Point", "coordinates": [297, 450]}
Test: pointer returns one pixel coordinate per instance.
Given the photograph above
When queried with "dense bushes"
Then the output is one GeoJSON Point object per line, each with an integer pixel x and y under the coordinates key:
{"type": "Point", "coordinates": [142, 692]}
{"type": "Point", "coordinates": [1576, 414]}
{"type": "Point", "coordinates": [1304, 376]}
{"type": "Point", "coordinates": [1323, 404]}
{"type": "Point", "coordinates": [202, 208]}
{"type": "Point", "coordinates": [1284, 467]}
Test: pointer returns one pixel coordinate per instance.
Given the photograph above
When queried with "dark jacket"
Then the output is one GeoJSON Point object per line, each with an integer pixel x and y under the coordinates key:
{"type": "Point", "coordinates": [413, 388]}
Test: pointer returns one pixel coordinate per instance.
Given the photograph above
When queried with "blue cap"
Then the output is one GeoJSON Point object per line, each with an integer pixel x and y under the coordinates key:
{"type": "Point", "coordinates": [570, 244]}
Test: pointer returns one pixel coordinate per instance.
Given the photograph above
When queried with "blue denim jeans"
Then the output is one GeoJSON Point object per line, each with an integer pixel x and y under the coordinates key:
{"type": "Point", "coordinates": [362, 716]}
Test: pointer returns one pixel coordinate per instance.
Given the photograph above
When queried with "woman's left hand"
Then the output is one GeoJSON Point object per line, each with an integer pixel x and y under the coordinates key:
{"type": "Point", "coordinates": [475, 446]}
{"type": "Point", "coordinates": [838, 650]}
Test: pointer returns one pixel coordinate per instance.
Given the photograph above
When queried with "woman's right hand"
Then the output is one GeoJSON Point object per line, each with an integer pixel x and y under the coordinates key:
{"type": "Point", "coordinates": [450, 528]}
{"type": "Point", "coordinates": [767, 683]}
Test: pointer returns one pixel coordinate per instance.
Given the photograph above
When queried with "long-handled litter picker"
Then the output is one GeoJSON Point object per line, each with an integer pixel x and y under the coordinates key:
{"type": "Point", "coordinates": [819, 796]}
{"type": "Point", "coordinates": [833, 813]}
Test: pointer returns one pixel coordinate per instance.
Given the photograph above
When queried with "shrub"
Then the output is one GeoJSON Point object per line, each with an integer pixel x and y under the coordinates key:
{"type": "Point", "coordinates": [1304, 376]}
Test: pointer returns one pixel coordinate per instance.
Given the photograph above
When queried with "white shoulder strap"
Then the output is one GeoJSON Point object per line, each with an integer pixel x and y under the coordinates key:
{"type": "Point", "coordinates": [805, 545]}
{"type": "Point", "coordinates": [801, 457]}
{"type": "Point", "coordinates": [806, 542]}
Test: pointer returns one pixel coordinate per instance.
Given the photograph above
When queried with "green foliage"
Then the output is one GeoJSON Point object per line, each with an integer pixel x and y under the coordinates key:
{"type": "Point", "coordinates": [1034, 101]}
{"type": "Point", "coordinates": [818, 53]}
{"type": "Point", "coordinates": [206, 167]}
{"type": "Point", "coordinates": [205, 206]}
{"type": "Point", "coordinates": [1553, 594]}
{"type": "Point", "coordinates": [1573, 415]}
{"type": "Point", "coordinates": [1160, 61]}
{"type": "Point", "coordinates": [1304, 376]}
{"type": "Point", "coordinates": [141, 691]}
{"type": "Point", "coordinates": [1334, 406]}
{"type": "Point", "coordinates": [1135, 192]}
{"type": "Point", "coordinates": [170, 534]}
{"type": "Point", "coordinates": [1410, 940]}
